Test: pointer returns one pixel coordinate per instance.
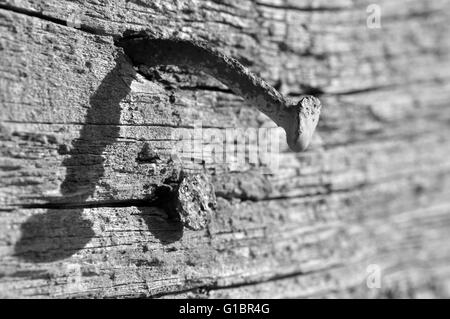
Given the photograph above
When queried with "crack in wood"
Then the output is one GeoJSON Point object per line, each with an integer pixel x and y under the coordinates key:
{"type": "Point", "coordinates": [39, 15]}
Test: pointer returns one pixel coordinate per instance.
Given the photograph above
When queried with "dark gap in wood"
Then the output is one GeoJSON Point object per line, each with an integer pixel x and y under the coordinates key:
{"type": "Point", "coordinates": [206, 88]}
{"type": "Point", "coordinates": [214, 286]}
{"type": "Point", "coordinates": [83, 27]}
{"type": "Point", "coordinates": [98, 204]}
{"type": "Point", "coordinates": [302, 9]}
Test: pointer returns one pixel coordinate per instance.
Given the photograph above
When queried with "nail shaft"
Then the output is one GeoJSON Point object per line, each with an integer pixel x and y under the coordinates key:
{"type": "Point", "coordinates": [299, 120]}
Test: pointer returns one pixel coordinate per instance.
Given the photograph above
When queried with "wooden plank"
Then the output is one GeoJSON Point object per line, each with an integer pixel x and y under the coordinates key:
{"type": "Point", "coordinates": [78, 211]}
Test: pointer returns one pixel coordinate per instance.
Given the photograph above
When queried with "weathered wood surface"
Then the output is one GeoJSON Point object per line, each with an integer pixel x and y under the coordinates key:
{"type": "Point", "coordinates": [77, 216]}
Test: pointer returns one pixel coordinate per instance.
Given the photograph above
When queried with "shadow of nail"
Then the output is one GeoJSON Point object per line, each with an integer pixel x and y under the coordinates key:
{"type": "Point", "coordinates": [60, 233]}
{"type": "Point", "coordinates": [166, 229]}
{"type": "Point", "coordinates": [54, 235]}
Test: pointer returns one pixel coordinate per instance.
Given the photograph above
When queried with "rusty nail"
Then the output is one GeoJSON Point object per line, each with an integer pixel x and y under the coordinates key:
{"type": "Point", "coordinates": [299, 120]}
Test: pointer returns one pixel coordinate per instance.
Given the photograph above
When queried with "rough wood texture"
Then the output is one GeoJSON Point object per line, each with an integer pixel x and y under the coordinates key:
{"type": "Point", "coordinates": [86, 140]}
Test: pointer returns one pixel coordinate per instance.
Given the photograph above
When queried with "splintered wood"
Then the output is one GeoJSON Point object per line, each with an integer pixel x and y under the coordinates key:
{"type": "Point", "coordinates": [89, 177]}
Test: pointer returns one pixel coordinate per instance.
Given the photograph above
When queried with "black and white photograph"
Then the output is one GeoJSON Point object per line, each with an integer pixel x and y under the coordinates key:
{"type": "Point", "coordinates": [224, 149]}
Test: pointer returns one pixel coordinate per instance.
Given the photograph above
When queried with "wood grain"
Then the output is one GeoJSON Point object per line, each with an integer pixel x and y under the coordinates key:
{"type": "Point", "coordinates": [79, 209]}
